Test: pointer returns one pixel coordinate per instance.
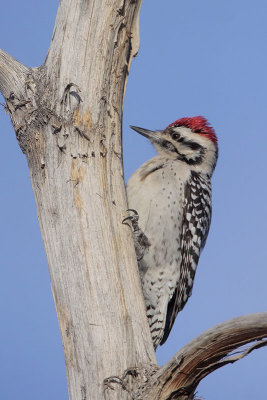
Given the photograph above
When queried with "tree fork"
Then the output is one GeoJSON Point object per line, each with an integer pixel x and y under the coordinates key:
{"type": "Point", "coordinates": [67, 115]}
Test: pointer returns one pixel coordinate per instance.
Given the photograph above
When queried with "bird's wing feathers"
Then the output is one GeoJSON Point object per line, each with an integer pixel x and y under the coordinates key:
{"type": "Point", "coordinates": [196, 223]}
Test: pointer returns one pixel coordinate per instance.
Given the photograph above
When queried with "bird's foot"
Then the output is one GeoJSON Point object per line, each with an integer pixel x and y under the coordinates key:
{"type": "Point", "coordinates": [133, 219]}
{"type": "Point", "coordinates": [141, 242]}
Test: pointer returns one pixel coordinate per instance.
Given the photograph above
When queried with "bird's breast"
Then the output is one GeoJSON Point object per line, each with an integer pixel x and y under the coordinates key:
{"type": "Point", "coordinates": [159, 201]}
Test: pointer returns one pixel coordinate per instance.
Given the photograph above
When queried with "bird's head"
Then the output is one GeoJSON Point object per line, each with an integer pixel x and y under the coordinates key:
{"type": "Point", "coordinates": [189, 139]}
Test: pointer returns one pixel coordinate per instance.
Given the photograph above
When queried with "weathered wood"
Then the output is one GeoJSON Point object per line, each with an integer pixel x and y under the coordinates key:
{"type": "Point", "coordinates": [12, 75]}
{"type": "Point", "coordinates": [179, 378]}
{"type": "Point", "coordinates": [67, 115]}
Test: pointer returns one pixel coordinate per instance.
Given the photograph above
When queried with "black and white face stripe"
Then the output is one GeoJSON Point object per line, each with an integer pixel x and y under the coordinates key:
{"type": "Point", "coordinates": [185, 149]}
{"type": "Point", "coordinates": [168, 146]}
{"type": "Point", "coordinates": [180, 139]}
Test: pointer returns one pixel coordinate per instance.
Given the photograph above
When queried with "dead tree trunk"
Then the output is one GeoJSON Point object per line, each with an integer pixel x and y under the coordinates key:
{"type": "Point", "coordinates": [67, 116]}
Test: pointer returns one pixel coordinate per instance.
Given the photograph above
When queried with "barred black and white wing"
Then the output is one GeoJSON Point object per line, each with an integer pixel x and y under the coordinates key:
{"type": "Point", "coordinates": [195, 228]}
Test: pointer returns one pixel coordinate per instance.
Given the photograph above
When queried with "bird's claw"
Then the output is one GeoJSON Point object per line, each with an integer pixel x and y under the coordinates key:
{"type": "Point", "coordinates": [132, 218]}
{"type": "Point", "coordinates": [141, 242]}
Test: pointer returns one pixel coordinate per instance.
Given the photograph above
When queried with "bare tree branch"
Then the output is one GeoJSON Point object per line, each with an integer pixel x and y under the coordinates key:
{"type": "Point", "coordinates": [211, 350]}
{"type": "Point", "coordinates": [13, 75]}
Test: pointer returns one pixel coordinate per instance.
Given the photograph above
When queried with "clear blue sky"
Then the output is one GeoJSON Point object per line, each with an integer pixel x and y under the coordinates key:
{"type": "Point", "coordinates": [206, 58]}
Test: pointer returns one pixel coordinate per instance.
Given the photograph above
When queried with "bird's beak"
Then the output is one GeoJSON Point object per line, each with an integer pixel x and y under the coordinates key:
{"type": "Point", "coordinates": [154, 136]}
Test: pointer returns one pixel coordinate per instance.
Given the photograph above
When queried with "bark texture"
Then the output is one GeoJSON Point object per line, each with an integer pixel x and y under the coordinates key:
{"type": "Point", "coordinates": [67, 116]}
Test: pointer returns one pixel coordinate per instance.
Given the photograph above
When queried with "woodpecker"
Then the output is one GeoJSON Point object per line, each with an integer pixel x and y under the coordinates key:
{"type": "Point", "coordinates": [170, 196]}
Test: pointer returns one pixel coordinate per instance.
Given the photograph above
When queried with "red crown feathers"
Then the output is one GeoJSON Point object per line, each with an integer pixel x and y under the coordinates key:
{"type": "Point", "coordinates": [198, 125]}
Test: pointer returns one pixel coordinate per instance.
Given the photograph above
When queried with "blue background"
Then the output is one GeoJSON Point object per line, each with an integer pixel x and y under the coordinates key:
{"type": "Point", "coordinates": [196, 58]}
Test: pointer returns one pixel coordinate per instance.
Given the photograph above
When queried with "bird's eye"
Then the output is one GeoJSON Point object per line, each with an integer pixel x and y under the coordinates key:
{"type": "Point", "coordinates": [175, 136]}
